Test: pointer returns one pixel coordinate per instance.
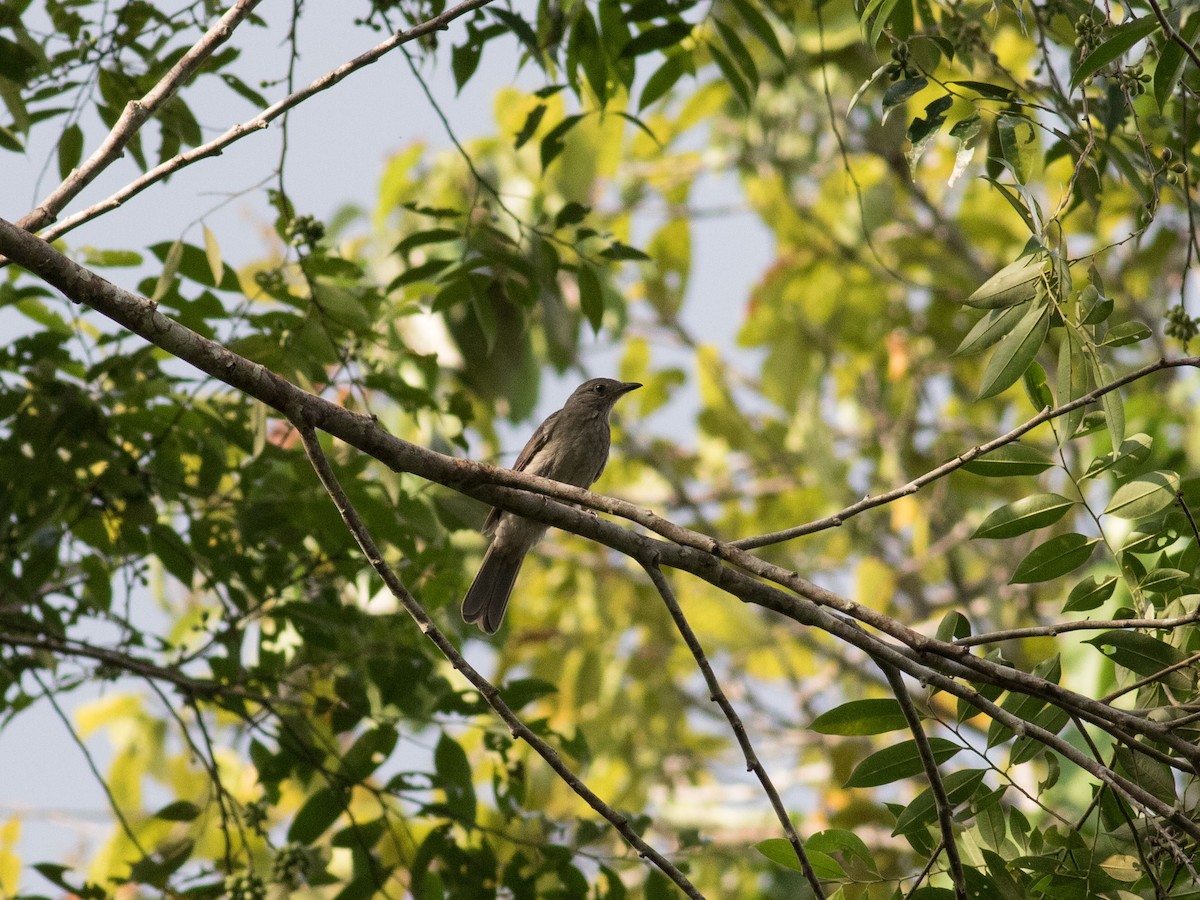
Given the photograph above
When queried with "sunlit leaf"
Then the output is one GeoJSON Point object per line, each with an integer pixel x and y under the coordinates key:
{"type": "Point", "coordinates": [1055, 557]}
{"type": "Point", "coordinates": [1026, 514]}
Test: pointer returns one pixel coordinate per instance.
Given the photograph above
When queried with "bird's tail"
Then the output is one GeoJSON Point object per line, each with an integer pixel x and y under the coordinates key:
{"type": "Point", "coordinates": [487, 599]}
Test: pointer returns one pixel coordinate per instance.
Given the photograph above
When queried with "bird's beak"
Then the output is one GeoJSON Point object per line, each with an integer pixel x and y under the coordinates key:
{"type": "Point", "coordinates": [627, 386]}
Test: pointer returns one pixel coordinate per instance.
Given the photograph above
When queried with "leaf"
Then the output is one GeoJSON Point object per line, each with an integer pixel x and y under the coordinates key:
{"type": "Point", "coordinates": [779, 851]}
{"type": "Point", "coordinates": [1094, 308]}
{"type": "Point", "coordinates": [865, 86]}
{"type": "Point", "coordinates": [736, 83]}
{"type": "Point", "coordinates": [212, 252]}
{"type": "Point", "coordinates": [762, 29]}
{"type": "Point", "coordinates": [1125, 334]}
{"type": "Point", "coordinates": [1163, 580]}
{"type": "Point", "coordinates": [1070, 383]}
{"type": "Point", "coordinates": [1056, 557]}
{"type": "Point", "coordinates": [1018, 141]}
{"type": "Point", "coordinates": [738, 50]}
{"type": "Point", "coordinates": [591, 296]}
{"type": "Point", "coordinates": [898, 761]}
{"type": "Point", "coordinates": [1118, 41]}
{"type": "Point", "coordinates": [319, 811]}
{"type": "Point", "coordinates": [1036, 389]}
{"type": "Point", "coordinates": [860, 717]}
{"type": "Point", "coordinates": [552, 144]}
{"type": "Point", "coordinates": [179, 811]}
{"type": "Point", "coordinates": [1144, 496]}
{"type": "Point", "coordinates": [532, 121]}
{"type": "Point", "coordinates": [921, 131]}
{"type": "Point", "coordinates": [1016, 351]}
{"type": "Point", "coordinates": [1011, 459]}
{"type": "Point", "coordinates": [1132, 453]}
{"type": "Point", "coordinates": [902, 90]}
{"type": "Point", "coordinates": [1015, 283]}
{"type": "Point", "coordinates": [464, 60]}
{"type": "Point", "coordinates": [959, 787]}
{"type": "Point", "coordinates": [455, 778]}
{"type": "Point", "coordinates": [994, 325]}
{"type": "Point", "coordinates": [521, 692]}
{"type": "Point", "coordinates": [1090, 593]}
{"type": "Point", "coordinates": [170, 268]}
{"type": "Point", "coordinates": [1171, 60]}
{"type": "Point", "coordinates": [992, 91]}
{"type": "Point", "coordinates": [1026, 514]}
{"type": "Point", "coordinates": [70, 149]}
{"type": "Point", "coordinates": [656, 38]}
{"type": "Point", "coordinates": [1114, 406]}
{"type": "Point", "coordinates": [1143, 655]}
{"type": "Point", "coordinates": [664, 78]}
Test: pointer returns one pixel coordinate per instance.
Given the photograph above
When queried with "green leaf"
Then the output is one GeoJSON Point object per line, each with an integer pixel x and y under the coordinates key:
{"type": "Point", "coordinates": [736, 82]}
{"type": "Point", "coordinates": [367, 753]}
{"type": "Point", "coordinates": [1172, 60]}
{"type": "Point", "coordinates": [1011, 459]}
{"type": "Point", "coordinates": [552, 144]}
{"type": "Point", "coordinates": [664, 78]}
{"type": "Point", "coordinates": [758, 24]}
{"type": "Point", "coordinates": [959, 787]}
{"type": "Point", "coordinates": [1056, 557]}
{"type": "Point", "coordinates": [179, 811]}
{"type": "Point", "coordinates": [839, 840]}
{"type": "Point", "coordinates": [1132, 453]}
{"type": "Point", "coordinates": [922, 130]}
{"type": "Point", "coordinates": [464, 60]}
{"type": "Point", "coordinates": [1143, 655]}
{"type": "Point", "coordinates": [865, 86]}
{"type": "Point", "coordinates": [591, 296]}
{"type": "Point", "coordinates": [1124, 334]}
{"type": "Point", "coordinates": [1144, 496]}
{"type": "Point", "coordinates": [1114, 406]}
{"type": "Point", "coordinates": [521, 692]}
{"type": "Point", "coordinates": [994, 325]}
{"type": "Point", "coordinates": [110, 258]}
{"type": "Point", "coordinates": [1015, 283]}
{"type": "Point", "coordinates": [1090, 593]}
{"type": "Point", "coordinates": [781, 852]}
{"type": "Point", "coordinates": [902, 90]}
{"type": "Point", "coordinates": [657, 38]}
{"type": "Point", "coordinates": [1016, 351]}
{"type": "Point", "coordinates": [1026, 514]}
{"type": "Point", "coordinates": [899, 761]}
{"type": "Point", "coordinates": [1034, 381]}
{"type": "Point", "coordinates": [1094, 307]}
{"type": "Point", "coordinates": [70, 149]}
{"type": "Point", "coordinates": [992, 91]}
{"type": "Point", "coordinates": [530, 126]}
{"type": "Point", "coordinates": [859, 717]}
{"type": "Point", "coordinates": [1070, 383]}
{"type": "Point", "coordinates": [1118, 41]}
{"type": "Point", "coordinates": [455, 778]}
{"type": "Point", "coordinates": [1018, 141]}
{"type": "Point", "coordinates": [319, 811]}
{"type": "Point", "coordinates": [738, 51]}
{"type": "Point", "coordinates": [1162, 580]}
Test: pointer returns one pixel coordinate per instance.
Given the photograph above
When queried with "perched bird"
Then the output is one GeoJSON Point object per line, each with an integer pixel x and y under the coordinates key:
{"type": "Point", "coordinates": [571, 446]}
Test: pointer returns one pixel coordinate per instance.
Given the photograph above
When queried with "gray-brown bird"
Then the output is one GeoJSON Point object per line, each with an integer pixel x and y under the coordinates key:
{"type": "Point", "coordinates": [571, 446]}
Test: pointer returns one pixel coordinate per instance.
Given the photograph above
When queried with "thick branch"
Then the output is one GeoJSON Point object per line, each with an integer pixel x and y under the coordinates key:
{"type": "Point", "coordinates": [135, 115]}
{"type": "Point", "coordinates": [695, 553]}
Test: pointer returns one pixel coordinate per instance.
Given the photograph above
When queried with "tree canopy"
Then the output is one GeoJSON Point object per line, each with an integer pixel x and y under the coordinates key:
{"type": "Point", "coordinates": [899, 596]}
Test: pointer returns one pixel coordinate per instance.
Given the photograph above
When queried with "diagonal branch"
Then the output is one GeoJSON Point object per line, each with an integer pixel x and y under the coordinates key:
{"type": "Point", "coordinates": [946, 468]}
{"type": "Point", "coordinates": [926, 659]}
{"type": "Point", "coordinates": [1172, 34]}
{"type": "Point", "coordinates": [1010, 634]}
{"type": "Point", "coordinates": [135, 115]}
{"type": "Point", "coordinates": [487, 690]}
{"type": "Point", "coordinates": [717, 695]}
{"type": "Point", "coordinates": [218, 144]}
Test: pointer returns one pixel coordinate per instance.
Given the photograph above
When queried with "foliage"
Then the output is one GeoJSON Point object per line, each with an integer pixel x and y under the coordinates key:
{"type": "Point", "coordinates": [983, 221]}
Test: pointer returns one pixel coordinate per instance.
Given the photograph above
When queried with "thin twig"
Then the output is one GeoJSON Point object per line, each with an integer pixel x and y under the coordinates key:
{"type": "Point", "coordinates": [718, 696]}
{"type": "Point", "coordinates": [217, 145]}
{"type": "Point", "coordinates": [995, 637]}
{"type": "Point", "coordinates": [136, 113]}
{"type": "Point", "coordinates": [489, 692]}
{"type": "Point", "coordinates": [941, 802]}
{"type": "Point", "coordinates": [1174, 35]}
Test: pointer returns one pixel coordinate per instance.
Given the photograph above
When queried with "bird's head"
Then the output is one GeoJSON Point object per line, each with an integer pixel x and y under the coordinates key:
{"type": "Point", "coordinates": [601, 393]}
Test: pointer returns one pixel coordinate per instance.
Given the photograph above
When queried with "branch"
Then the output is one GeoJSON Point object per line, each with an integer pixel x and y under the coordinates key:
{"type": "Point", "coordinates": [995, 637]}
{"type": "Point", "coordinates": [487, 690]}
{"type": "Point", "coordinates": [1174, 35]}
{"type": "Point", "coordinates": [699, 554]}
{"type": "Point", "coordinates": [945, 812]}
{"type": "Point", "coordinates": [218, 144]}
{"type": "Point", "coordinates": [946, 468]}
{"type": "Point", "coordinates": [134, 116]}
{"type": "Point", "coordinates": [717, 695]}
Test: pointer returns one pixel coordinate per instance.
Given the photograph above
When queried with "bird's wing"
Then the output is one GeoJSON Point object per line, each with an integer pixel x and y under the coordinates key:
{"type": "Point", "coordinates": [528, 452]}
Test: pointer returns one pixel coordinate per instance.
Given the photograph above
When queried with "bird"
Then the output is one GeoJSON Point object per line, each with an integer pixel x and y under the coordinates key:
{"type": "Point", "coordinates": [571, 446]}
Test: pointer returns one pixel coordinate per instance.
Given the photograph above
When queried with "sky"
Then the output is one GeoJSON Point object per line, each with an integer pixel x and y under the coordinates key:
{"type": "Point", "coordinates": [338, 143]}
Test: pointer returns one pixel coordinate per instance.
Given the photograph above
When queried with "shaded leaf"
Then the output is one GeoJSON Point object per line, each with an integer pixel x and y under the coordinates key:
{"type": "Point", "coordinates": [1090, 593]}
{"type": "Point", "coordinates": [1015, 283]}
{"type": "Point", "coordinates": [1115, 44]}
{"type": "Point", "coordinates": [859, 717]}
{"type": "Point", "coordinates": [899, 761]}
{"type": "Point", "coordinates": [1011, 459]}
{"type": "Point", "coordinates": [1144, 496]}
{"type": "Point", "coordinates": [1016, 351]}
{"type": "Point", "coordinates": [1056, 557]}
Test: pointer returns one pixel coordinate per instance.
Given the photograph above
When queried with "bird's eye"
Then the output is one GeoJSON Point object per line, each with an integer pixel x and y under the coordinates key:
{"type": "Point", "coordinates": [599, 389]}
